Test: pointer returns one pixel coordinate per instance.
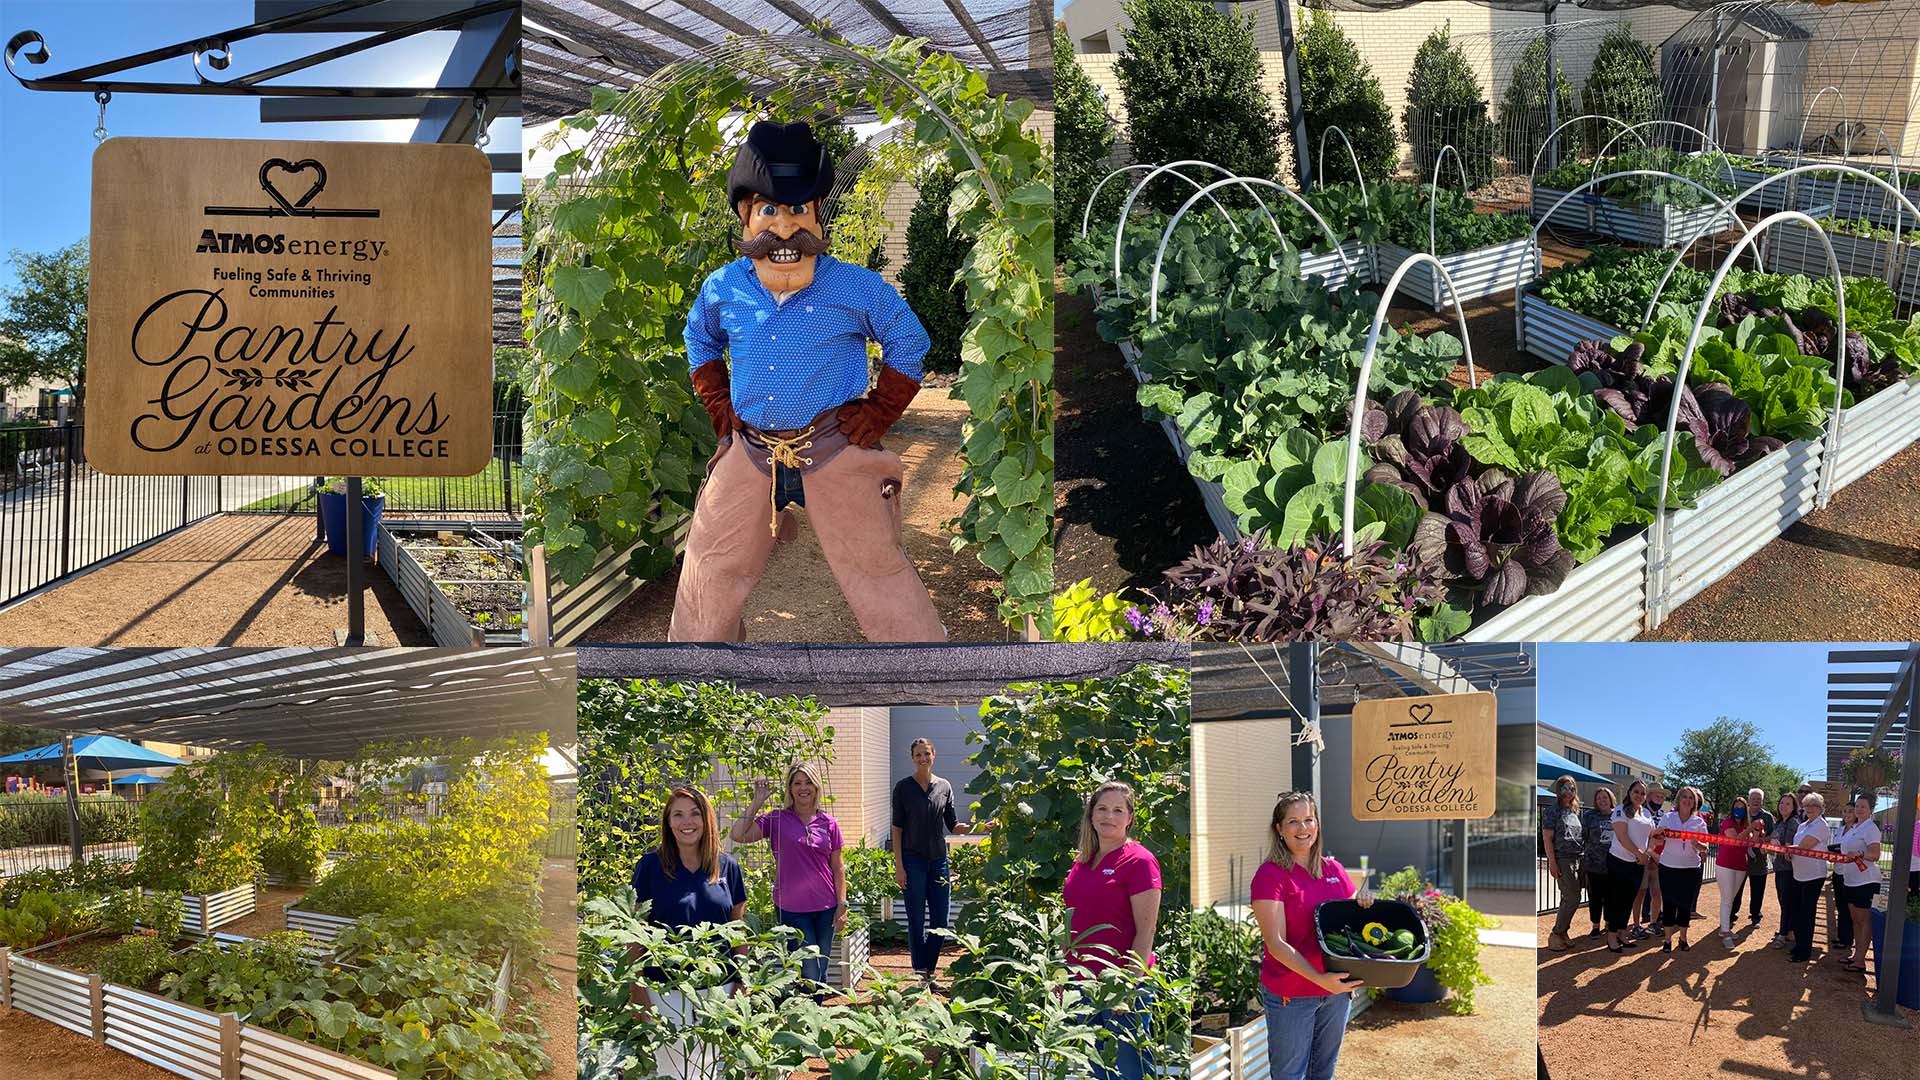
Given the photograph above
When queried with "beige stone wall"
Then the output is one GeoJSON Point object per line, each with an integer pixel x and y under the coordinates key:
{"type": "Point", "coordinates": [1238, 768]}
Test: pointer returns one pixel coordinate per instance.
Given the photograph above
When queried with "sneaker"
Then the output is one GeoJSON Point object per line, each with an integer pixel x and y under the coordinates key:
{"type": "Point", "coordinates": [1558, 942]}
{"type": "Point", "coordinates": [1727, 940]}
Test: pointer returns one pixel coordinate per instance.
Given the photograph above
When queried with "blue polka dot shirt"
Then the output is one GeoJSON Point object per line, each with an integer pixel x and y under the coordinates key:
{"type": "Point", "coordinates": [792, 361]}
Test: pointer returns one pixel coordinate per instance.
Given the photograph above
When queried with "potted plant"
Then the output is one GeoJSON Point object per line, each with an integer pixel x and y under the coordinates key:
{"type": "Point", "coordinates": [333, 513]}
{"type": "Point", "coordinates": [1871, 767]}
{"type": "Point", "coordinates": [1453, 927]}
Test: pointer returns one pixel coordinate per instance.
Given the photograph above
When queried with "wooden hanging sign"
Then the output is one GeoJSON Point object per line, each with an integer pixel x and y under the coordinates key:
{"type": "Point", "coordinates": [289, 308]}
{"type": "Point", "coordinates": [1424, 758]}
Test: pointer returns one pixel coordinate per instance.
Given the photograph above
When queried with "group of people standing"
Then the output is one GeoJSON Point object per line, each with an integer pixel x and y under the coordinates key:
{"type": "Point", "coordinates": [1622, 854]}
{"type": "Point", "coordinates": [1112, 889]}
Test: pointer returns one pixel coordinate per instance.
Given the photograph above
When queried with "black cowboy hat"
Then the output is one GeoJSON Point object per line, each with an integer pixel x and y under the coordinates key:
{"type": "Point", "coordinates": [781, 162]}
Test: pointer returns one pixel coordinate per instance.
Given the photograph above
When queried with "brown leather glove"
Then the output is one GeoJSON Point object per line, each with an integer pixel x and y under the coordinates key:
{"type": "Point", "coordinates": [866, 419]}
{"type": "Point", "coordinates": [710, 382]}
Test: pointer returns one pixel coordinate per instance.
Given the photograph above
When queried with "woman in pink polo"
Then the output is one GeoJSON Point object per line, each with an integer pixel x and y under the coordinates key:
{"type": "Point", "coordinates": [1307, 1006]}
{"type": "Point", "coordinates": [1113, 899]}
{"type": "Point", "coordinates": [809, 870]}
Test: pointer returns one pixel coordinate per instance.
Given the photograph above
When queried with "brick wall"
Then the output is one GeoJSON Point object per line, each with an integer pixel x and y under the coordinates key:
{"type": "Point", "coordinates": [1238, 767]}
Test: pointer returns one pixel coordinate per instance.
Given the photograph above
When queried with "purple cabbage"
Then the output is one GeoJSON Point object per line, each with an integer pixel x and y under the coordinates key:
{"type": "Point", "coordinates": [1721, 427]}
{"type": "Point", "coordinates": [1598, 357]}
{"type": "Point", "coordinates": [1416, 447]}
{"type": "Point", "coordinates": [1496, 536]}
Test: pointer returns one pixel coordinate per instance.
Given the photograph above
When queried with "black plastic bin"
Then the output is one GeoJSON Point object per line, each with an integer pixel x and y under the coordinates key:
{"type": "Point", "coordinates": [1395, 915]}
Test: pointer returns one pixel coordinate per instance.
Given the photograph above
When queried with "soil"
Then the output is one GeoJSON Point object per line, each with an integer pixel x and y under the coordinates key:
{"type": "Point", "coordinates": [236, 579]}
{"type": "Point", "coordinates": [269, 912]}
{"type": "Point", "coordinates": [1392, 1039]}
{"type": "Point", "coordinates": [797, 598]}
{"type": "Point", "coordinates": [1747, 1012]}
{"type": "Point", "coordinates": [1850, 572]}
{"type": "Point", "coordinates": [452, 558]}
{"type": "Point", "coordinates": [559, 1008]}
{"type": "Point", "coordinates": [37, 1050]}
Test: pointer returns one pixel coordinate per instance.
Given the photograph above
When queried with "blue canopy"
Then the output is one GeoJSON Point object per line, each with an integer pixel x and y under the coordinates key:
{"type": "Point", "coordinates": [1552, 767]}
{"type": "Point", "coordinates": [139, 779]}
{"type": "Point", "coordinates": [95, 752]}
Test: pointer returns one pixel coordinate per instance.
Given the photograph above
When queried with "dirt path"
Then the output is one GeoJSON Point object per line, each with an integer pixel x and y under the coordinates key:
{"type": "Point", "coordinates": [1850, 572]}
{"type": "Point", "coordinates": [36, 1050]}
{"type": "Point", "coordinates": [1750, 1012]}
{"type": "Point", "coordinates": [237, 579]}
{"type": "Point", "coordinates": [798, 600]}
{"type": "Point", "coordinates": [559, 1008]}
{"type": "Point", "coordinates": [1396, 1040]}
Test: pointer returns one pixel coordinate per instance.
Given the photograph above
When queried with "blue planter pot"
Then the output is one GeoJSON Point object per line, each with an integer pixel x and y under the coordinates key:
{"type": "Point", "coordinates": [333, 520]}
{"type": "Point", "coordinates": [1909, 958]}
{"type": "Point", "coordinates": [1423, 990]}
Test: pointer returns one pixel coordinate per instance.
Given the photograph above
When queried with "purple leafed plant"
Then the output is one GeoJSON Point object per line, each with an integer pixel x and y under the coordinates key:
{"type": "Point", "coordinates": [1496, 537]}
{"type": "Point", "coordinates": [1416, 447]}
{"type": "Point", "coordinates": [1720, 423]}
{"type": "Point", "coordinates": [1244, 590]}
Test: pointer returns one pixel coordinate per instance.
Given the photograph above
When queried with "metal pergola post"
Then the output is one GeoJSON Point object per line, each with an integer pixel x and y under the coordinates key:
{"type": "Point", "coordinates": [1296, 102]}
{"type": "Point", "coordinates": [1553, 92]}
{"type": "Point", "coordinates": [1303, 686]}
{"type": "Point", "coordinates": [1904, 812]}
{"type": "Point", "coordinates": [70, 769]}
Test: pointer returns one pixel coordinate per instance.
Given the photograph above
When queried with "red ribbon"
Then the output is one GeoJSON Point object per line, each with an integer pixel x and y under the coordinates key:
{"type": "Point", "coordinates": [1764, 845]}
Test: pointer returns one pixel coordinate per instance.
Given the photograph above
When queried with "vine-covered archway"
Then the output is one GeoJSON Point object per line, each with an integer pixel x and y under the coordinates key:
{"type": "Point", "coordinates": [624, 230]}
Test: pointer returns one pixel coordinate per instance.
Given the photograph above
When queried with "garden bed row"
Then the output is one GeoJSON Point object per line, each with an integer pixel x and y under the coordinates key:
{"type": "Point", "coordinates": [464, 584]}
{"type": "Point", "coordinates": [1663, 225]}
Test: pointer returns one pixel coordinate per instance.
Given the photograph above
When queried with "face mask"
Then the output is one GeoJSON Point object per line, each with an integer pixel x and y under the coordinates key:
{"type": "Point", "coordinates": [1739, 813]}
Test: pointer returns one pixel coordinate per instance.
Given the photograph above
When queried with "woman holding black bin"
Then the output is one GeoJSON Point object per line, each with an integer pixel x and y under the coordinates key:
{"type": "Point", "coordinates": [1307, 1006]}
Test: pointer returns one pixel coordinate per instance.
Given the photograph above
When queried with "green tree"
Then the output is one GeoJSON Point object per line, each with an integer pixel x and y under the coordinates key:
{"type": "Point", "coordinates": [1191, 78]}
{"type": "Point", "coordinates": [1523, 111]}
{"type": "Point", "coordinates": [934, 255]}
{"type": "Point", "coordinates": [43, 321]}
{"type": "Point", "coordinates": [1337, 88]}
{"type": "Point", "coordinates": [1445, 107]}
{"type": "Point", "coordinates": [1779, 777]}
{"type": "Point", "coordinates": [1083, 138]}
{"type": "Point", "coordinates": [1622, 85]}
{"type": "Point", "coordinates": [1723, 759]}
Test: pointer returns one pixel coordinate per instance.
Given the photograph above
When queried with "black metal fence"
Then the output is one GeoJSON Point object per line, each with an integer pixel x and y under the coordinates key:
{"type": "Point", "coordinates": [59, 516]}
{"type": "Point", "coordinates": [36, 832]}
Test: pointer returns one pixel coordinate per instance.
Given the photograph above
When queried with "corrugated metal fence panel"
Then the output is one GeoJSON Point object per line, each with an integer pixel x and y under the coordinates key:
{"type": "Point", "coordinates": [406, 573]}
{"type": "Point", "coordinates": [321, 929]}
{"type": "Point", "coordinates": [1213, 1062]}
{"type": "Point", "coordinates": [1876, 429]}
{"type": "Point", "coordinates": [1602, 600]}
{"type": "Point", "coordinates": [1550, 332]}
{"type": "Point", "coordinates": [1248, 1046]}
{"type": "Point", "coordinates": [51, 993]}
{"type": "Point", "coordinates": [1739, 517]}
{"type": "Point", "coordinates": [179, 1038]}
{"type": "Point", "coordinates": [576, 608]}
{"type": "Point", "coordinates": [265, 1055]}
{"type": "Point", "coordinates": [849, 958]}
{"type": "Point", "coordinates": [450, 627]}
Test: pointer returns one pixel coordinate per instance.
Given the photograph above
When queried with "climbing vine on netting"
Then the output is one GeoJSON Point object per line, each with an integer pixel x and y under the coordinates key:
{"type": "Point", "coordinates": [622, 240]}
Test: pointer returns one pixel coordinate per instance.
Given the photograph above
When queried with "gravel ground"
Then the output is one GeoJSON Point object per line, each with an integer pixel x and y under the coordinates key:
{"type": "Point", "coordinates": [559, 1007]}
{"type": "Point", "coordinates": [237, 579]}
{"type": "Point", "coordinates": [1850, 572]}
{"type": "Point", "coordinates": [1395, 1040]}
{"type": "Point", "coordinates": [797, 598]}
{"type": "Point", "coordinates": [1748, 1012]}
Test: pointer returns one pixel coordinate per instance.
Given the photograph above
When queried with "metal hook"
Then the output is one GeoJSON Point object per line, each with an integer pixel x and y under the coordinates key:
{"type": "Point", "coordinates": [102, 95]}
{"type": "Point", "coordinates": [480, 136]}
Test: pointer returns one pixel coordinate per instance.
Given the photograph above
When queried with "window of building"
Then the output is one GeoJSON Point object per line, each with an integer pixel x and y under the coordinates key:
{"type": "Point", "coordinates": [1619, 769]}
{"type": "Point", "coordinates": [1580, 758]}
{"type": "Point", "coordinates": [1649, 778]}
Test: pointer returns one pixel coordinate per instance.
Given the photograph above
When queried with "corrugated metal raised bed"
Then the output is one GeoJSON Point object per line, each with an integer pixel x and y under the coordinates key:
{"type": "Point", "coordinates": [55, 994]}
{"type": "Point", "coordinates": [1550, 332]}
{"type": "Point", "coordinates": [399, 554]}
{"type": "Point", "coordinates": [1212, 1059]}
{"type": "Point", "coordinates": [202, 914]}
{"type": "Point", "coordinates": [1791, 248]}
{"type": "Point", "coordinates": [1329, 266]}
{"type": "Point", "coordinates": [848, 960]}
{"type": "Point", "coordinates": [267, 1055]}
{"type": "Point", "coordinates": [320, 873]}
{"type": "Point", "coordinates": [1655, 226]}
{"type": "Point", "coordinates": [1876, 429]}
{"type": "Point", "coordinates": [182, 1039]}
{"type": "Point", "coordinates": [1604, 599]}
{"type": "Point", "coordinates": [320, 929]}
{"type": "Point", "coordinates": [1909, 287]}
{"type": "Point", "coordinates": [1476, 273]}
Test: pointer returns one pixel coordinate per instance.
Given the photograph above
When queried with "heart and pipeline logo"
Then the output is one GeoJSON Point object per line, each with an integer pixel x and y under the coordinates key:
{"type": "Point", "coordinates": [1421, 715]}
{"type": "Point", "coordinates": [276, 171]}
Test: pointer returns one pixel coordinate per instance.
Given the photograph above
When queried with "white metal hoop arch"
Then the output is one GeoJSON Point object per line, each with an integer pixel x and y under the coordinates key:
{"type": "Point", "coordinates": [1659, 537]}
{"type": "Point", "coordinates": [1366, 373]}
{"type": "Point", "coordinates": [1433, 193]}
{"type": "Point", "coordinates": [1800, 141]}
{"type": "Point", "coordinates": [1120, 223]}
{"type": "Point", "coordinates": [1086, 215]}
{"type": "Point", "coordinates": [1706, 229]}
{"type": "Point", "coordinates": [1520, 274]}
{"type": "Point", "coordinates": [1153, 283]}
{"type": "Point", "coordinates": [1708, 141]}
{"type": "Point", "coordinates": [1533, 174]}
{"type": "Point", "coordinates": [1320, 163]}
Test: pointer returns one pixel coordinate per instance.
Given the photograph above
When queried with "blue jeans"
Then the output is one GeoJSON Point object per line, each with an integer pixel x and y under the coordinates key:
{"type": "Point", "coordinates": [1304, 1033]}
{"type": "Point", "coordinates": [1134, 1058]}
{"type": "Point", "coordinates": [928, 890]}
{"type": "Point", "coordinates": [816, 929]}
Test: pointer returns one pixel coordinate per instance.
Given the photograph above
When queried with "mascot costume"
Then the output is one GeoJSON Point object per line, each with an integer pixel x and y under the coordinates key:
{"type": "Point", "coordinates": [777, 342]}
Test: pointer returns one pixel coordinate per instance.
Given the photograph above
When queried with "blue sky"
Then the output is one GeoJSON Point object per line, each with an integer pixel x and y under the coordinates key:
{"type": "Point", "coordinates": [1639, 697]}
{"type": "Point", "coordinates": [46, 171]}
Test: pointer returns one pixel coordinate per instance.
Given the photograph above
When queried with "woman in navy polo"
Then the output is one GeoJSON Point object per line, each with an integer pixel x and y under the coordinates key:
{"type": "Point", "coordinates": [688, 881]}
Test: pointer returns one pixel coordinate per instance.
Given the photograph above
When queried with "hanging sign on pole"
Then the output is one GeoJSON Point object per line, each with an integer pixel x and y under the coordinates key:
{"type": "Point", "coordinates": [289, 308]}
{"type": "Point", "coordinates": [1424, 758]}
